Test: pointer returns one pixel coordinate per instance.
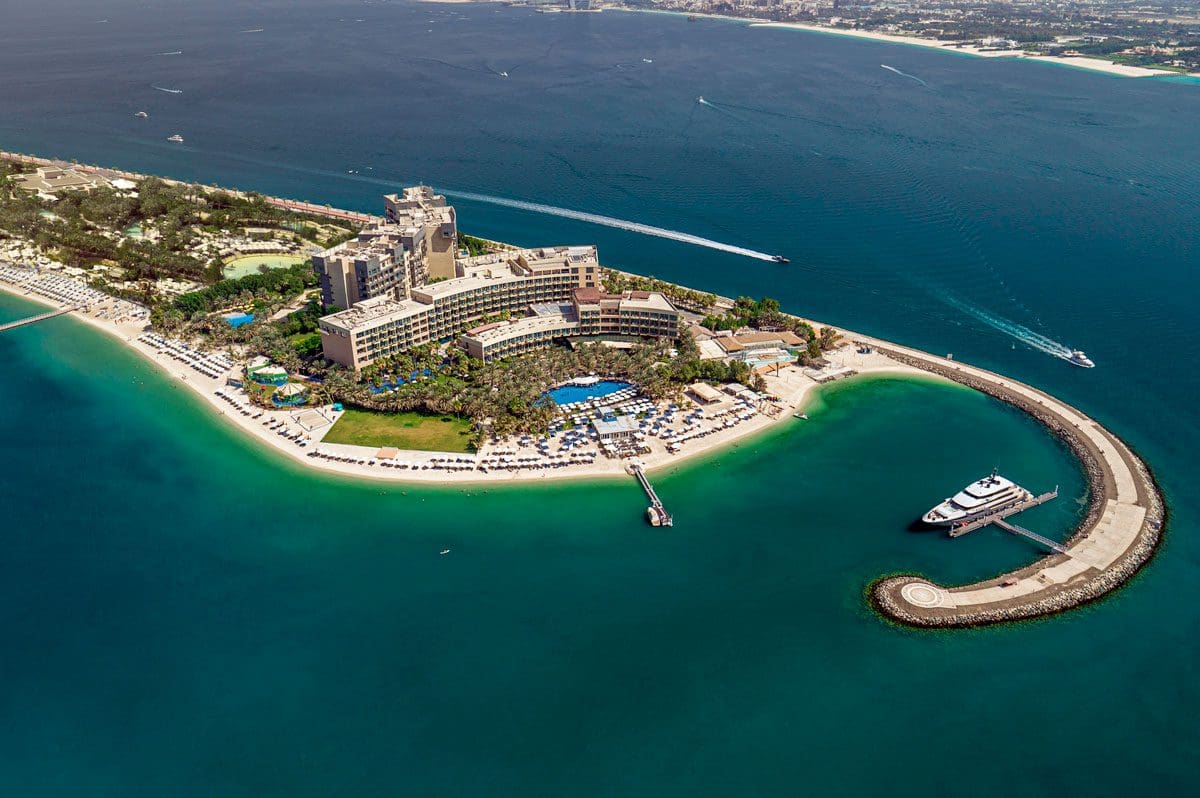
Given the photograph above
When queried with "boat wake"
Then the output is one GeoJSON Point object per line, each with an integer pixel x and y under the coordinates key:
{"type": "Point", "coordinates": [252, 30]}
{"type": "Point", "coordinates": [1020, 332]}
{"type": "Point", "coordinates": [904, 74]}
{"type": "Point", "coordinates": [609, 221]}
{"type": "Point", "coordinates": [168, 91]}
{"type": "Point", "coordinates": [719, 108]}
{"type": "Point", "coordinates": [534, 207]}
{"type": "Point", "coordinates": [173, 52]}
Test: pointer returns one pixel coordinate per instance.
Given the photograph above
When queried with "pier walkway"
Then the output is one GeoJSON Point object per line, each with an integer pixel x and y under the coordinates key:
{"type": "Point", "coordinates": [656, 513]}
{"type": "Point", "coordinates": [1034, 536]}
{"type": "Point", "coordinates": [12, 325]}
{"type": "Point", "coordinates": [996, 517]}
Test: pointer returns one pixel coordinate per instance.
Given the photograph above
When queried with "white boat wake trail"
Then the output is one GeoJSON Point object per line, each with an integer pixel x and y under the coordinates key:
{"type": "Point", "coordinates": [904, 74]}
{"type": "Point", "coordinates": [608, 221]}
{"type": "Point", "coordinates": [168, 91]}
{"type": "Point", "coordinates": [1019, 331]}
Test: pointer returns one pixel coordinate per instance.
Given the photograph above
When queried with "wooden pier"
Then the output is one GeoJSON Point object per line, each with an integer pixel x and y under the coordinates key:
{"type": "Point", "coordinates": [1000, 515]}
{"type": "Point", "coordinates": [656, 513]}
{"type": "Point", "coordinates": [12, 325]}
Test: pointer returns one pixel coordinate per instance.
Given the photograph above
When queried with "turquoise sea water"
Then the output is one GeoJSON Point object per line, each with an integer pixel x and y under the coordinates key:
{"type": "Point", "coordinates": [187, 615]}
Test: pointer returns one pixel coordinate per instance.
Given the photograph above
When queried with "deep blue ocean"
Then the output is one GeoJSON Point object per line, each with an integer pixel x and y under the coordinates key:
{"type": "Point", "coordinates": [186, 616]}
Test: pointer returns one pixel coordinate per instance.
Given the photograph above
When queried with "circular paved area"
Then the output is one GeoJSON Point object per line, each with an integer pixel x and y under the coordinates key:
{"type": "Point", "coordinates": [923, 594]}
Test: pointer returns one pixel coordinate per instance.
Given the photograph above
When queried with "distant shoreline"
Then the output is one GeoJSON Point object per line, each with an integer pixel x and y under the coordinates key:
{"type": "Point", "coordinates": [1078, 62]}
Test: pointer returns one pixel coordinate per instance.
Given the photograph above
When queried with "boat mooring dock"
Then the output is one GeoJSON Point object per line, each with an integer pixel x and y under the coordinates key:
{"type": "Point", "coordinates": [998, 517]}
{"type": "Point", "coordinates": [656, 513]}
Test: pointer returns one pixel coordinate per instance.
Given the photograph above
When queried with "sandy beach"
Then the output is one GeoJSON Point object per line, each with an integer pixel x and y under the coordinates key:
{"type": "Point", "coordinates": [1080, 62]}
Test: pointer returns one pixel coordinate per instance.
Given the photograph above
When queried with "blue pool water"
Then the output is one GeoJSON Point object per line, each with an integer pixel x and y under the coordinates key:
{"type": "Point", "coordinates": [239, 319]}
{"type": "Point", "coordinates": [579, 393]}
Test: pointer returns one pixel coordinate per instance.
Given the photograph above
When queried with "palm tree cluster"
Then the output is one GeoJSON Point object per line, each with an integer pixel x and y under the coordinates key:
{"type": "Point", "coordinates": [508, 397]}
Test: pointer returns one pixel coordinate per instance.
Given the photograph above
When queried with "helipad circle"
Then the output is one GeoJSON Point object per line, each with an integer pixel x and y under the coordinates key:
{"type": "Point", "coordinates": [922, 594]}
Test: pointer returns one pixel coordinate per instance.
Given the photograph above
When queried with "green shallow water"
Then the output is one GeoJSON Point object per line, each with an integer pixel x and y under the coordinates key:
{"type": "Point", "coordinates": [186, 614]}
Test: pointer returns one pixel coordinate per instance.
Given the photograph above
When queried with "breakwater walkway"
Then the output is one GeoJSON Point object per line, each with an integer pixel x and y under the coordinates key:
{"type": "Point", "coordinates": [1117, 536]}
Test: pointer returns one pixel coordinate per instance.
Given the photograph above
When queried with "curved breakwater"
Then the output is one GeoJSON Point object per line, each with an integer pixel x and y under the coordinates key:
{"type": "Point", "coordinates": [1118, 535]}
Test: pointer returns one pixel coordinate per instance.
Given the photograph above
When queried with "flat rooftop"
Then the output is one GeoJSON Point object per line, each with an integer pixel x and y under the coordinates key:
{"type": "Point", "coordinates": [373, 312]}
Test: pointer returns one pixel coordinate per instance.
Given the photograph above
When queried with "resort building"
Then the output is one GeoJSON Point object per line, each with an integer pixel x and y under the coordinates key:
{"type": "Point", "coordinates": [48, 180]}
{"type": "Point", "coordinates": [429, 223]}
{"type": "Point", "coordinates": [488, 285]}
{"type": "Point", "coordinates": [590, 313]}
{"type": "Point", "coordinates": [375, 264]}
{"type": "Point", "coordinates": [745, 345]}
{"type": "Point", "coordinates": [415, 245]}
{"type": "Point", "coordinates": [761, 351]}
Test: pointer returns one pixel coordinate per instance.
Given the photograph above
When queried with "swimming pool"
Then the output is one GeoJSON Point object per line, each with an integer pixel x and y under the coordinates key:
{"type": "Point", "coordinates": [238, 319]}
{"type": "Point", "coordinates": [581, 393]}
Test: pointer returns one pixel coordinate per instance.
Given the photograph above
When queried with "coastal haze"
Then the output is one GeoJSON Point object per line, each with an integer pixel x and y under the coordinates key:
{"type": "Point", "coordinates": [297, 634]}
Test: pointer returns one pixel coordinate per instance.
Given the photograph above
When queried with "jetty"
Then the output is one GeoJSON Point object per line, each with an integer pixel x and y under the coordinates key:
{"type": "Point", "coordinates": [12, 325]}
{"type": "Point", "coordinates": [998, 516]}
{"type": "Point", "coordinates": [1034, 536]}
{"type": "Point", "coordinates": [1118, 534]}
{"type": "Point", "coordinates": [656, 513]}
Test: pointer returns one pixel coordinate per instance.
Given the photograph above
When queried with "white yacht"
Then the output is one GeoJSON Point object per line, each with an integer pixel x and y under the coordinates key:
{"type": "Point", "coordinates": [178, 139]}
{"type": "Point", "coordinates": [980, 498]}
{"type": "Point", "coordinates": [1078, 358]}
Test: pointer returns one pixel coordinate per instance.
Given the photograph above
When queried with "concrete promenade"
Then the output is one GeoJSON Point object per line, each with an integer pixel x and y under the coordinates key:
{"type": "Point", "coordinates": [1118, 534]}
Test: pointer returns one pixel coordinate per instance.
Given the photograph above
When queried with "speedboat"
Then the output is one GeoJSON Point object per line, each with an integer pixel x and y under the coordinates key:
{"type": "Point", "coordinates": [178, 139]}
{"type": "Point", "coordinates": [800, 415]}
{"type": "Point", "coordinates": [1078, 358]}
{"type": "Point", "coordinates": [780, 259]}
{"type": "Point", "coordinates": [983, 497]}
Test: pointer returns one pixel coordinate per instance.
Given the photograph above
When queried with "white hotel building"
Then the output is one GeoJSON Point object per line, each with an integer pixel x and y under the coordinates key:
{"type": "Point", "coordinates": [382, 278]}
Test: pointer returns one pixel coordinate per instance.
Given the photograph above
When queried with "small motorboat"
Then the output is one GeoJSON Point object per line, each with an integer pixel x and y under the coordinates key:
{"type": "Point", "coordinates": [780, 259]}
{"type": "Point", "coordinates": [444, 552]}
{"type": "Point", "coordinates": [142, 115]}
{"type": "Point", "coordinates": [178, 139]}
{"type": "Point", "coordinates": [1078, 358]}
{"type": "Point", "coordinates": [800, 415]}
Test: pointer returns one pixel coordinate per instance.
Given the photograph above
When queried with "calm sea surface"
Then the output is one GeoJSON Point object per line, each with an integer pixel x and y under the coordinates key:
{"type": "Point", "coordinates": [186, 615]}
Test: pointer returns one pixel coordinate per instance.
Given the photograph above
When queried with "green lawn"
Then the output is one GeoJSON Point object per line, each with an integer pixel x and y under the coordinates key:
{"type": "Point", "coordinates": [401, 430]}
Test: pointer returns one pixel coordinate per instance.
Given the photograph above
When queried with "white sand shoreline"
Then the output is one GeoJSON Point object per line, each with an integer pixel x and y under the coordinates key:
{"type": "Point", "coordinates": [794, 388]}
{"type": "Point", "coordinates": [1079, 62]}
